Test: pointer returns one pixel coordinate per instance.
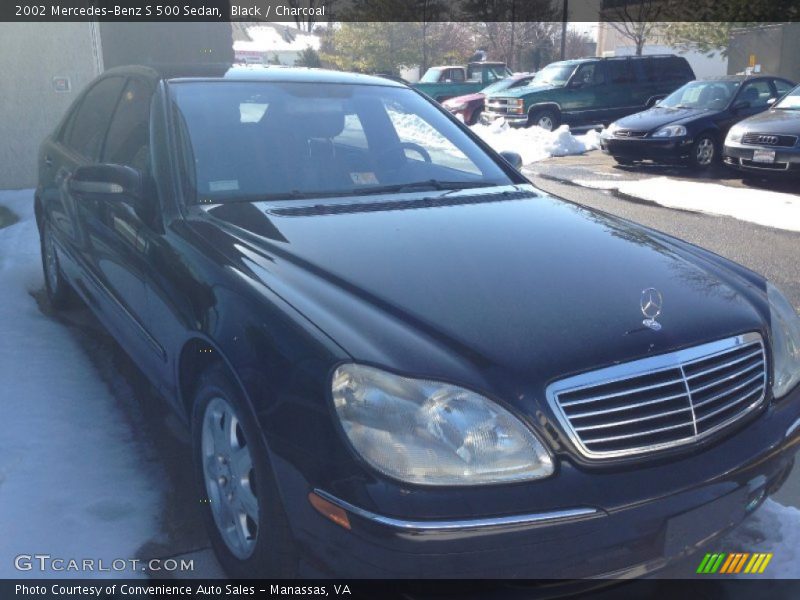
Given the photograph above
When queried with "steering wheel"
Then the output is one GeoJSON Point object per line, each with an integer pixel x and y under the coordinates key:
{"type": "Point", "coordinates": [406, 146]}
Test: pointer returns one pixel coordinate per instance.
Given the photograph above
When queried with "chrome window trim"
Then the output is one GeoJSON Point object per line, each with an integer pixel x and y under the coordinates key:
{"type": "Point", "coordinates": [449, 526]}
{"type": "Point", "coordinates": [669, 361]}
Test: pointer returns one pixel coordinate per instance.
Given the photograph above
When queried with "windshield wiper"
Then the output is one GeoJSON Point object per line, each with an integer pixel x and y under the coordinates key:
{"type": "Point", "coordinates": [415, 186]}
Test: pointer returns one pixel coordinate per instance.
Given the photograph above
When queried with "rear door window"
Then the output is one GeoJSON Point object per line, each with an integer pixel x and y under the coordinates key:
{"type": "Point", "coordinates": [782, 87]}
{"type": "Point", "coordinates": [619, 71]}
{"type": "Point", "coordinates": [128, 137]}
{"type": "Point", "coordinates": [88, 128]}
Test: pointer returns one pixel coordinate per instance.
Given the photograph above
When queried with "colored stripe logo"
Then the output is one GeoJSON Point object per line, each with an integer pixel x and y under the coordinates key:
{"type": "Point", "coordinates": [737, 562]}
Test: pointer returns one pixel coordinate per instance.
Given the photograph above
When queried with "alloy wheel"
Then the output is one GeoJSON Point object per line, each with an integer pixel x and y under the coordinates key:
{"type": "Point", "coordinates": [545, 122]}
{"type": "Point", "coordinates": [229, 478]}
{"type": "Point", "coordinates": [704, 152]}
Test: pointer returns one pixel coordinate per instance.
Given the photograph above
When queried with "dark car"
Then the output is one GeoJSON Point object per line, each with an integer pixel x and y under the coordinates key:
{"type": "Point", "coordinates": [689, 126]}
{"type": "Point", "coordinates": [396, 356]}
{"type": "Point", "coordinates": [470, 106]}
{"type": "Point", "coordinates": [589, 91]}
{"type": "Point", "coordinates": [768, 143]}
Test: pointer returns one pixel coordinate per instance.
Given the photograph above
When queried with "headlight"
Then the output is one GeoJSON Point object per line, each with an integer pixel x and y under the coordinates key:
{"type": "Point", "coordinates": [785, 342]}
{"type": "Point", "coordinates": [610, 130]}
{"type": "Point", "coordinates": [432, 433]}
{"type": "Point", "coordinates": [670, 131]}
{"type": "Point", "coordinates": [734, 134]}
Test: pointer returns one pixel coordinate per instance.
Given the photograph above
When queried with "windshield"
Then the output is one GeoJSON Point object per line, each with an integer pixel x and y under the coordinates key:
{"type": "Point", "coordinates": [702, 94]}
{"type": "Point", "coordinates": [790, 101]}
{"type": "Point", "coordinates": [555, 74]}
{"type": "Point", "coordinates": [431, 76]}
{"type": "Point", "coordinates": [259, 140]}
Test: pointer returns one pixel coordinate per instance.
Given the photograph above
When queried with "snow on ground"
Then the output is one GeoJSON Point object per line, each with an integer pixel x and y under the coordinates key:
{"type": "Point", "coordinates": [73, 483]}
{"type": "Point", "coordinates": [772, 528]}
{"type": "Point", "coordinates": [534, 143]}
{"type": "Point", "coordinates": [771, 209]}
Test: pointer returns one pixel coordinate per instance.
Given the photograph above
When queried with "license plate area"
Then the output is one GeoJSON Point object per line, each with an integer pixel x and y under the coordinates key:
{"type": "Point", "coordinates": [689, 529]}
{"type": "Point", "coordinates": [764, 156]}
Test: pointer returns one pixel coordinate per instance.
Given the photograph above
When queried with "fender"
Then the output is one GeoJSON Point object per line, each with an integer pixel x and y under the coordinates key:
{"type": "Point", "coordinates": [548, 104]}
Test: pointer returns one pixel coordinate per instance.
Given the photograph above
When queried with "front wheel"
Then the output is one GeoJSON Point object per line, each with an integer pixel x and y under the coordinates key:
{"type": "Point", "coordinates": [704, 152]}
{"type": "Point", "coordinates": [56, 286]}
{"type": "Point", "coordinates": [546, 118]}
{"type": "Point", "coordinates": [244, 515]}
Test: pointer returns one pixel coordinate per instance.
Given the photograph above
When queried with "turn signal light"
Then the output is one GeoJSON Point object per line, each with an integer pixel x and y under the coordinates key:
{"type": "Point", "coordinates": [329, 510]}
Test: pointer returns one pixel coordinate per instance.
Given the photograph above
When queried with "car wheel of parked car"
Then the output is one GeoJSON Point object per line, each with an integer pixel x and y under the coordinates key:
{"type": "Point", "coordinates": [242, 509]}
{"type": "Point", "coordinates": [704, 152]}
{"type": "Point", "coordinates": [476, 116]}
{"type": "Point", "coordinates": [58, 290]}
{"type": "Point", "coordinates": [546, 118]}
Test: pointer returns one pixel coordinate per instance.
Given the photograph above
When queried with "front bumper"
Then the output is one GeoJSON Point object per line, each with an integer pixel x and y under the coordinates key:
{"type": "Point", "coordinates": [613, 523]}
{"type": "Point", "coordinates": [740, 156]}
{"type": "Point", "coordinates": [659, 150]}
{"type": "Point", "coordinates": [488, 117]}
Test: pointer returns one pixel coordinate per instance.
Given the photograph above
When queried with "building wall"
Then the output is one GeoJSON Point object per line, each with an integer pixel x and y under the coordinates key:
{"type": "Point", "coordinates": [775, 49]}
{"type": "Point", "coordinates": [31, 55]}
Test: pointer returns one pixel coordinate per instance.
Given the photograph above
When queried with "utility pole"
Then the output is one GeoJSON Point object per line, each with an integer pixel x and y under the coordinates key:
{"type": "Point", "coordinates": [564, 13]}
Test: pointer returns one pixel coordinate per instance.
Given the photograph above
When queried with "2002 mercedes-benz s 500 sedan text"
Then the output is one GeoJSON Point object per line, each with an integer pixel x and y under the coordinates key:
{"type": "Point", "coordinates": [399, 358]}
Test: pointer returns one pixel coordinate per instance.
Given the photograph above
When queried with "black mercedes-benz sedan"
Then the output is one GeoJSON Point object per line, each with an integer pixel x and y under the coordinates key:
{"type": "Point", "coordinates": [396, 356]}
{"type": "Point", "coordinates": [689, 126]}
{"type": "Point", "coordinates": [768, 143]}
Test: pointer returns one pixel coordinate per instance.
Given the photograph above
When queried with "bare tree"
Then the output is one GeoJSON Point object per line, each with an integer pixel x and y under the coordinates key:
{"type": "Point", "coordinates": [633, 19]}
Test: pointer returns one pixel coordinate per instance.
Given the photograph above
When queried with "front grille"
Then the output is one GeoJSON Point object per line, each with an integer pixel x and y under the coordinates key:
{"type": "Point", "coordinates": [503, 106]}
{"type": "Point", "coordinates": [629, 133]}
{"type": "Point", "coordinates": [663, 401]}
{"type": "Point", "coordinates": [769, 139]}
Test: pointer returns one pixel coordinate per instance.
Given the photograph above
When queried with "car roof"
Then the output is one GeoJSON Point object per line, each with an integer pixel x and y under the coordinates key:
{"type": "Point", "coordinates": [739, 77]}
{"type": "Point", "coordinates": [234, 72]}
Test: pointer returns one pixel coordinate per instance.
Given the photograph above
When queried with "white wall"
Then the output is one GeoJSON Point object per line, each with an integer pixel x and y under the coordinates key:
{"type": "Point", "coordinates": [31, 55]}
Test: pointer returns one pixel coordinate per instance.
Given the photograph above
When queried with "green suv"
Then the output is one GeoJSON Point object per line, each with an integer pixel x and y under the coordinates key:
{"type": "Point", "coordinates": [441, 83]}
{"type": "Point", "coordinates": [589, 91]}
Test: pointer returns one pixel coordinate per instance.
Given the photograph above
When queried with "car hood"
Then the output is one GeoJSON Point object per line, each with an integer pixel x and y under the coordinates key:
{"type": "Point", "coordinates": [465, 98]}
{"type": "Point", "coordinates": [524, 91]}
{"type": "Point", "coordinates": [658, 116]}
{"type": "Point", "coordinates": [778, 121]}
{"type": "Point", "coordinates": [505, 286]}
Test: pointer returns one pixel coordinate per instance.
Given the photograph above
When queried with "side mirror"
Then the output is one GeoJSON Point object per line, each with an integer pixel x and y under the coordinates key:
{"type": "Point", "coordinates": [771, 101]}
{"type": "Point", "coordinates": [576, 83]}
{"type": "Point", "coordinates": [108, 182]}
{"type": "Point", "coordinates": [741, 104]}
{"type": "Point", "coordinates": [514, 159]}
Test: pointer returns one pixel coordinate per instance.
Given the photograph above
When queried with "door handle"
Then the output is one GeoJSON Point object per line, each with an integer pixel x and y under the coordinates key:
{"type": "Point", "coordinates": [48, 161]}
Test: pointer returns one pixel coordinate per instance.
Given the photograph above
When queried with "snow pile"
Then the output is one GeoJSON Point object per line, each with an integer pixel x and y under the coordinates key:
{"type": "Point", "coordinates": [772, 528]}
{"type": "Point", "coordinates": [771, 209]}
{"type": "Point", "coordinates": [534, 143]}
{"type": "Point", "coordinates": [73, 483]}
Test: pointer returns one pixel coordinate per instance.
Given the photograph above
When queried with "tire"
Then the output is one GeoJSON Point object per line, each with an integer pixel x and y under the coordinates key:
{"type": "Point", "coordinates": [623, 161]}
{"type": "Point", "coordinates": [705, 152]}
{"type": "Point", "coordinates": [58, 290]}
{"type": "Point", "coordinates": [244, 516]}
{"type": "Point", "coordinates": [546, 118]}
{"type": "Point", "coordinates": [476, 116]}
